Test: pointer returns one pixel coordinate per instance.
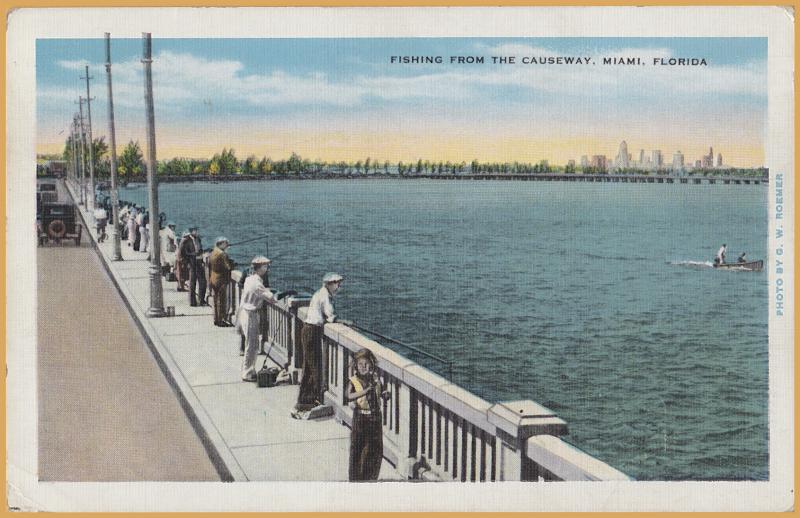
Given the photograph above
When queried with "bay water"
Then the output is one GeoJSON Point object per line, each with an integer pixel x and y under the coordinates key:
{"type": "Point", "coordinates": [596, 300]}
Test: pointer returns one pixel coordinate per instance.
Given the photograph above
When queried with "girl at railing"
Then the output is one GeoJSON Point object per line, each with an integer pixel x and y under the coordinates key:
{"type": "Point", "coordinates": [366, 437]}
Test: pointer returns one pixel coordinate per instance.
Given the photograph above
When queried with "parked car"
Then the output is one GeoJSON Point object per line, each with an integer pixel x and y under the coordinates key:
{"type": "Point", "coordinates": [56, 221]}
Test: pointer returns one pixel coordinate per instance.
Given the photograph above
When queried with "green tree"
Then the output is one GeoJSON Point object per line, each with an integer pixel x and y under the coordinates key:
{"type": "Point", "coordinates": [265, 166]}
{"type": "Point", "coordinates": [227, 162]}
{"type": "Point", "coordinates": [293, 165]}
{"type": "Point", "coordinates": [250, 165]}
{"type": "Point", "coordinates": [130, 161]}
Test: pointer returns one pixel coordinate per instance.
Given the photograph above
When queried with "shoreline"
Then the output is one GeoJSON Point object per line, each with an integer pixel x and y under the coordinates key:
{"type": "Point", "coordinates": [549, 177]}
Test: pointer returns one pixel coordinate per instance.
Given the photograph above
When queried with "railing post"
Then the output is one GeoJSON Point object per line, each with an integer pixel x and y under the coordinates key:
{"type": "Point", "coordinates": [409, 423]}
{"type": "Point", "coordinates": [516, 421]}
{"type": "Point", "coordinates": [294, 305]}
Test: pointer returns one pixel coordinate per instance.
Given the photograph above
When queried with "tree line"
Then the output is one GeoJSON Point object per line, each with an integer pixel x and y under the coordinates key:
{"type": "Point", "coordinates": [131, 165]}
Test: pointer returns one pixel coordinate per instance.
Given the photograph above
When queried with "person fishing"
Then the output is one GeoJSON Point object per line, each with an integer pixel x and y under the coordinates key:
{"type": "Point", "coordinates": [742, 258]}
{"type": "Point", "coordinates": [220, 266]}
{"type": "Point", "coordinates": [320, 312]}
{"type": "Point", "coordinates": [248, 318]}
{"type": "Point", "coordinates": [720, 257]}
{"type": "Point", "coordinates": [366, 437]}
{"type": "Point", "coordinates": [181, 263]}
{"type": "Point", "coordinates": [192, 253]}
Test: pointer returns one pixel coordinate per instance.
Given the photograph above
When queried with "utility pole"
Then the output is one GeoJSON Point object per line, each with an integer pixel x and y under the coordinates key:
{"type": "Point", "coordinates": [76, 158]}
{"type": "Point", "coordinates": [74, 135]}
{"type": "Point", "coordinates": [83, 154]}
{"type": "Point", "coordinates": [113, 143]}
{"type": "Point", "coordinates": [91, 142]}
{"type": "Point", "coordinates": [156, 308]}
{"type": "Point", "coordinates": [71, 177]}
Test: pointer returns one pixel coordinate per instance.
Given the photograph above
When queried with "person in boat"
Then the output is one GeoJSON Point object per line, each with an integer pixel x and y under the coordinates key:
{"type": "Point", "coordinates": [247, 316]}
{"type": "Point", "coordinates": [366, 437]}
{"type": "Point", "coordinates": [320, 312]}
{"type": "Point", "coordinates": [742, 258]}
{"type": "Point", "coordinates": [720, 258]}
{"type": "Point", "coordinates": [221, 267]}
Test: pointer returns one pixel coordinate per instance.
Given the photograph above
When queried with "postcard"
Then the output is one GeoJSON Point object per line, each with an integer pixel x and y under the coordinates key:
{"type": "Point", "coordinates": [396, 259]}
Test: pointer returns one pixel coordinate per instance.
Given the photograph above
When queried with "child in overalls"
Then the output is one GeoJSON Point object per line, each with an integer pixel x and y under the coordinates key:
{"type": "Point", "coordinates": [366, 437]}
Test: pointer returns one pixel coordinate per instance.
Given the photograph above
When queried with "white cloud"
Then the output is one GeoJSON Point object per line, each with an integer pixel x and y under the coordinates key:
{"type": "Point", "coordinates": [183, 78]}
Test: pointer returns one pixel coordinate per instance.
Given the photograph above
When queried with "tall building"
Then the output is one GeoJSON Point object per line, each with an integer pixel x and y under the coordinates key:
{"type": "Point", "coordinates": [641, 158]}
{"type": "Point", "coordinates": [623, 158]}
{"type": "Point", "coordinates": [599, 162]}
{"type": "Point", "coordinates": [677, 160]}
{"type": "Point", "coordinates": [584, 161]}
{"type": "Point", "coordinates": [658, 159]}
{"type": "Point", "coordinates": [708, 160]}
{"type": "Point", "coordinates": [719, 159]}
{"type": "Point", "coordinates": [571, 163]}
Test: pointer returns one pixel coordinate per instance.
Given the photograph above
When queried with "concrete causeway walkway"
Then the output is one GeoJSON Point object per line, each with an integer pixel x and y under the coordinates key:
{"type": "Point", "coordinates": [248, 431]}
{"type": "Point", "coordinates": [106, 413]}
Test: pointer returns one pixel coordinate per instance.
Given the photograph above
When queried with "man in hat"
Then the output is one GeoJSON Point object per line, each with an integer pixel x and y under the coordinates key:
{"type": "Point", "coordinates": [192, 255]}
{"type": "Point", "coordinates": [320, 312]}
{"type": "Point", "coordinates": [181, 263]}
{"type": "Point", "coordinates": [248, 318]}
{"type": "Point", "coordinates": [168, 246]}
{"type": "Point", "coordinates": [221, 267]}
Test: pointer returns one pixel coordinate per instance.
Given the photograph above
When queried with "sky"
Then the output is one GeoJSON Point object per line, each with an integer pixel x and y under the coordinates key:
{"type": "Point", "coordinates": [343, 99]}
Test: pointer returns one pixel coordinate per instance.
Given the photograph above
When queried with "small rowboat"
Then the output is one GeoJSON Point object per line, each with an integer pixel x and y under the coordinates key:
{"type": "Point", "coordinates": [753, 266]}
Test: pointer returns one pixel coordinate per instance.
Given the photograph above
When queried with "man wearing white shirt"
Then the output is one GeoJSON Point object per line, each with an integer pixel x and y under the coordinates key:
{"type": "Point", "coordinates": [320, 312]}
{"type": "Point", "coordinates": [247, 317]}
{"type": "Point", "coordinates": [100, 219]}
{"type": "Point", "coordinates": [720, 258]}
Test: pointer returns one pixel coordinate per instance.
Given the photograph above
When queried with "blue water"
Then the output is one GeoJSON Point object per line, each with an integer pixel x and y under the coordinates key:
{"type": "Point", "coordinates": [596, 300]}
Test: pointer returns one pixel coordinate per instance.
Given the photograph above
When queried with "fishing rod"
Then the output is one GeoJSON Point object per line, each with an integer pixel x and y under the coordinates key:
{"type": "Point", "coordinates": [447, 363]}
{"type": "Point", "coordinates": [265, 236]}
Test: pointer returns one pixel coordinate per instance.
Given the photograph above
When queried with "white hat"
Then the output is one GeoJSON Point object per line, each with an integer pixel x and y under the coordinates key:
{"type": "Point", "coordinates": [221, 240]}
{"type": "Point", "coordinates": [331, 277]}
{"type": "Point", "coordinates": [259, 260]}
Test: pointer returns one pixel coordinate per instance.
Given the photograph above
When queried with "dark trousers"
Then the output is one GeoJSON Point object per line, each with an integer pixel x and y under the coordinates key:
{"type": "Point", "coordinates": [197, 279]}
{"type": "Point", "coordinates": [220, 293]}
{"type": "Point", "coordinates": [310, 386]}
{"type": "Point", "coordinates": [366, 447]}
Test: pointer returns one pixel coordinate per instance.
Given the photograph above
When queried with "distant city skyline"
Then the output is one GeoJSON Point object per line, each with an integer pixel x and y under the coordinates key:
{"type": "Point", "coordinates": [342, 99]}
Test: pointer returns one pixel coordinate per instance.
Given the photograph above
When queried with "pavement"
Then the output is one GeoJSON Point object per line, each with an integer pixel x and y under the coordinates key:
{"type": "Point", "coordinates": [248, 431]}
{"type": "Point", "coordinates": [106, 413]}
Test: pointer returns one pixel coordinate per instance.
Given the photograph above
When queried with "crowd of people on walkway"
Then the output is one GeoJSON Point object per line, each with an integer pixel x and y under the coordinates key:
{"type": "Point", "coordinates": [185, 261]}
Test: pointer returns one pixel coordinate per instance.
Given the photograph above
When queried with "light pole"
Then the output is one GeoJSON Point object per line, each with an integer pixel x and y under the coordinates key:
{"type": "Point", "coordinates": [83, 154]}
{"type": "Point", "coordinates": [91, 142]}
{"type": "Point", "coordinates": [156, 308]}
{"type": "Point", "coordinates": [115, 237]}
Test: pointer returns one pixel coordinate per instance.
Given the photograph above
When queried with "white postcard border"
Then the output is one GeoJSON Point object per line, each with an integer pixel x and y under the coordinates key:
{"type": "Point", "coordinates": [26, 25]}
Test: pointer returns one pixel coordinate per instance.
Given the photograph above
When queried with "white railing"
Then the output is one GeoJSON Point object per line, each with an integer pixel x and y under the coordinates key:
{"type": "Point", "coordinates": [432, 428]}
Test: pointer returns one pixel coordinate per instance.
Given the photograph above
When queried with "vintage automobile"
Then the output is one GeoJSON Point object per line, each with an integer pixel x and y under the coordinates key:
{"type": "Point", "coordinates": [56, 221]}
{"type": "Point", "coordinates": [46, 192]}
